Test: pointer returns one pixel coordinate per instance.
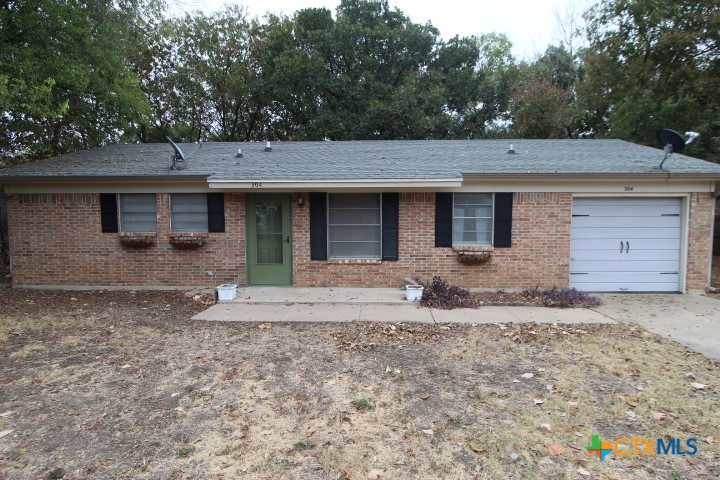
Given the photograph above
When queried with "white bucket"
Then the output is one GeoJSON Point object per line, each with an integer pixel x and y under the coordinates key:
{"type": "Point", "coordinates": [414, 293]}
{"type": "Point", "coordinates": [227, 292]}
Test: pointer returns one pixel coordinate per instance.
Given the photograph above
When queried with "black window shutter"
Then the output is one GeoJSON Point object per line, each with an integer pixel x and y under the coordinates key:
{"type": "Point", "coordinates": [390, 225]}
{"type": "Point", "coordinates": [216, 211]}
{"type": "Point", "coordinates": [108, 213]}
{"type": "Point", "coordinates": [443, 219]}
{"type": "Point", "coordinates": [503, 220]}
{"type": "Point", "coordinates": [318, 226]}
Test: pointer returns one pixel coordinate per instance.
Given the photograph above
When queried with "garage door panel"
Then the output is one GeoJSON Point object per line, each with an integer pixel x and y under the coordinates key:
{"type": "Point", "coordinates": [625, 201]}
{"type": "Point", "coordinates": [614, 244]}
{"type": "Point", "coordinates": [622, 278]}
{"type": "Point", "coordinates": [625, 211]}
{"type": "Point", "coordinates": [614, 254]}
{"type": "Point", "coordinates": [626, 222]}
{"type": "Point", "coordinates": [628, 287]}
{"type": "Point", "coordinates": [627, 233]}
{"type": "Point", "coordinates": [625, 266]}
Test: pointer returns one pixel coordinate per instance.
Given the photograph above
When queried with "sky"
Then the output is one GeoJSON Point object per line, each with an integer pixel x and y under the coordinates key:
{"type": "Point", "coordinates": [531, 25]}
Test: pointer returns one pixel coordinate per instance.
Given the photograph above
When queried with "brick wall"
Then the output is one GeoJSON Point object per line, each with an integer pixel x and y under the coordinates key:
{"type": "Point", "coordinates": [56, 240]}
{"type": "Point", "coordinates": [540, 254]}
{"type": "Point", "coordinates": [699, 244]}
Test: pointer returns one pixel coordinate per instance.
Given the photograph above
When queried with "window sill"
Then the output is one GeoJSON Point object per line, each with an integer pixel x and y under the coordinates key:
{"type": "Point", "coordinates": [188, 241]}
{"type": "Point", "coordinates": [137, 239]}
{"type": "Point", "coordinates": [354, 261]}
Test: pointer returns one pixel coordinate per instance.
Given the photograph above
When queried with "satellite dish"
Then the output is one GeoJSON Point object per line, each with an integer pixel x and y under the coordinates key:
{"type": "Point", "coordinates": [178, 160]}
{"type": "Point", "coordinates": [673, 142]}
{"type": "Point", "coordinates": [671, 137]}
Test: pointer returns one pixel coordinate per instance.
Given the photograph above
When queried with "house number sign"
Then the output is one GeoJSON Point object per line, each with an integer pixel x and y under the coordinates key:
{"type": "Point", "coordinates": [629, 189]}
{"type": "Point", "coordinates": [255, 184]}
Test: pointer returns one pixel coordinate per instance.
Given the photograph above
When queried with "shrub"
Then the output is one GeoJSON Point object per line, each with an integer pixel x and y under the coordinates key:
{"type": "Point", "coordinates": [362, 404]}
{"type": "Point", "coordinates": [439, 294]}
{"type": "Point", "coordinates": [562, 297]}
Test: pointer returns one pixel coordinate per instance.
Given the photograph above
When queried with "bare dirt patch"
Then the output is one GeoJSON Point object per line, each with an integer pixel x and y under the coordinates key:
{"type": "Point", "coordinates": [100, 385]}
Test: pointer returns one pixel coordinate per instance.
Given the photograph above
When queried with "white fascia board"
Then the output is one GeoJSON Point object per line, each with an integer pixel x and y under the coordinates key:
{"type": "Point", "coordinates": [260, 185]}
{"type": "Point", "coordinates": [629, 185]}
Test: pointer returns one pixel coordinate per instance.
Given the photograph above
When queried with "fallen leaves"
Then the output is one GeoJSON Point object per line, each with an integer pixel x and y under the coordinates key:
{"type": "Point", "coordinates": [364, 337]}
{"type": "Point", "coordinates": [556, 449]}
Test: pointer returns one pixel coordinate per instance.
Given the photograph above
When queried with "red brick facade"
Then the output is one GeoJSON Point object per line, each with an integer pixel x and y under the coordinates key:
{"type": "Point", "coordinates": [699, 244]}
{"type": "Point", "coordinates": [540, 254]}
{"type": "Point", "coordinates": [56, 240]}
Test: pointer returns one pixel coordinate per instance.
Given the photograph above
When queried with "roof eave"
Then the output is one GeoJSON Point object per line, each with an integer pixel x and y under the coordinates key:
{"type": "Point", "coordinates": [595, 176]}
{"type": "Point", "coordinates": [100, 178]}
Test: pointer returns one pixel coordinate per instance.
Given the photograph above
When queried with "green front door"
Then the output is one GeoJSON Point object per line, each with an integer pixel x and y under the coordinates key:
{"type": "Point", "coordinates": [269, 251]}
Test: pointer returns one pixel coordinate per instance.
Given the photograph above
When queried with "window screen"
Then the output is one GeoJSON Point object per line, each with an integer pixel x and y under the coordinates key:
{"type": "Point", "coordinates": [138, 212]}
{"type": "Point", "coordinates": [354, 225]}
{"type": "Point", "coordinates": [472, 218]}
{"type": "Point", "coordinates": [189, 212]}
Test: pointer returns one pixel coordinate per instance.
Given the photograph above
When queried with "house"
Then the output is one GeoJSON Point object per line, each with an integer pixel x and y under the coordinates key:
{"type": "Point", "coordinates": [597, 215]}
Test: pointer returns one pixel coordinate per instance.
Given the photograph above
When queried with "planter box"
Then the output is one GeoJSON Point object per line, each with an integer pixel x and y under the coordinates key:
{"type": "Point", "coordinates": [227, 292]}
{"type": "Point", "coordinates": [413, 293]}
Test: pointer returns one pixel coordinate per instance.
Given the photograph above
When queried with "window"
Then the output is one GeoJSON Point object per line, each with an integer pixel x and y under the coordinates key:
{"type": "Point", "coordinates": [354, 225]}
{"type": "Point", "coordinates": [472, 222]}
{"type": "Point", "coordinates": [189, 212]}
{"type": "Point", "coordinates": [138, 212]}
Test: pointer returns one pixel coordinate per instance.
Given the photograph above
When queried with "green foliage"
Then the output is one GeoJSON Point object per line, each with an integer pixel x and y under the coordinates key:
{"type": "Point", "coordinates": [363, 404]}
{"type": "Point", "coordinates": [184, 451]}
{"type": "Point", "coordinates": [544, 100]}
{"type": "Point", "coordinates": [653, 64]}
{"type": "Point", "coordinates": [304, 444]}
{"type": "Point", "coordinates": [64, 81]}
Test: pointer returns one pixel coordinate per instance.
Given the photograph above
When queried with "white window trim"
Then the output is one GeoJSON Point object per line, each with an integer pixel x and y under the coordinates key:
{"type": "Point", "coordinates": [327, 225]}
{"type": "Point", "coordinates": [492, 223]}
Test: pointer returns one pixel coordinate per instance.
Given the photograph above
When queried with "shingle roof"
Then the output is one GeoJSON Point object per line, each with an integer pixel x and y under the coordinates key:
{"type": "Point", "coordinates": [369, 160]}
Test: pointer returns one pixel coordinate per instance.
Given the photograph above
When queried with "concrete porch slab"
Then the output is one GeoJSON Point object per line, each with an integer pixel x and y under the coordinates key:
{"type": "Point", "coordinates": [320, 295]}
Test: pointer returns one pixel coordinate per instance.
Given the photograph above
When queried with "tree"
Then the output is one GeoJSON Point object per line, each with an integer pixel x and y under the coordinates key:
{"type": "Point", "coordinates": [544, 98]}
{"type": "Point", "coordinates": [203, 77]}
{"type": "Point", "coordinates": [653, 64]}
{"type": "Point", "coordinates": [64, 80]}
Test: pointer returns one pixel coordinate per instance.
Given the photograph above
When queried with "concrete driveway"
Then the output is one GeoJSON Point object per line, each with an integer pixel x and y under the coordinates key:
{"type": "Point", "coordinates": [693, 320]}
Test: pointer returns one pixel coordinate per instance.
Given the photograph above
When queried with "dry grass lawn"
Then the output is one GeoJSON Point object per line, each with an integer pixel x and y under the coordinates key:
{"type": "Point", "coordinates": [99, 385]}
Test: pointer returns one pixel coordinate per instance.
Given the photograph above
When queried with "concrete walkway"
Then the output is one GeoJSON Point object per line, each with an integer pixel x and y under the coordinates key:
{"type": "Point", "coordinates": [282, 304]}
{"type": "Point", "coordinates": [693, 320]}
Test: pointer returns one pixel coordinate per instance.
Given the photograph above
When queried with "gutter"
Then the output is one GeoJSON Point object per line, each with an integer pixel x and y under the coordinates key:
{"type": "Point", "coordinates": [101, 178]}
{"type": "Point", "coordinates": [325, 184]}
{"type": "Point", "coordinates": [585, 176]}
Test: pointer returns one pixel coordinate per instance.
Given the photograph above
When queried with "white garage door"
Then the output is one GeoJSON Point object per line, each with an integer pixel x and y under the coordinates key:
{"type": "Point", "coordinates": [625, 244]}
